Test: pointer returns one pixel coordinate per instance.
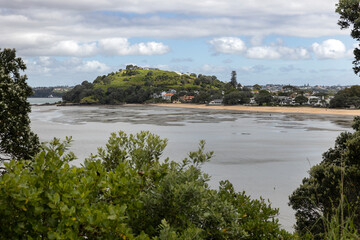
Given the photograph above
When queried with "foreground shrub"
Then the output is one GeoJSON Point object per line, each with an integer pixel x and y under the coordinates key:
{"type": "Point", "coordinates": [126, 192]}
{"type": "Point", "coordinates": [333, 182]}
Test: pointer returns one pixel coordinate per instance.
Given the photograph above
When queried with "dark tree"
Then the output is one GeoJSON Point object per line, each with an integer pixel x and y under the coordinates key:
{"type": "Point", "coordinates": [349, 11]}
{"type": "Point", "coordinates": [233, 80]}
{"type": "Point", "coordinates": [237, 97]}
{"type": "Point", "coordinates": [80, 91]}
{"type": "Point", "coordinates": [319, 195]}
{"type": "Point", "coordinates": [257, 87]}
{"type": "Point", "coordinates": [202, 97]}
{"type": "Point", "coordinates": [263, 97]}
{"type": "Point", "coordinates": [17, 141]}
{"type": "Point", "coordinates": [301, 99]}
{"type": "Point", "coordinates": [289, 88]}
{"type": "Point", "coordinates": [347, 98]}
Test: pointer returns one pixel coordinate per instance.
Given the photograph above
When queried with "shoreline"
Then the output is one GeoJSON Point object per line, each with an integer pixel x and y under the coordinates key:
{"type": "Point", "coordinates": [276, 109]}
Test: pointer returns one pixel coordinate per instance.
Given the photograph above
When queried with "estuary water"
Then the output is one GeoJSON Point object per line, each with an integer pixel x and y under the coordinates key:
{"type": "Point", "coordinates": [40, 101]}
{"type": "Point", "coordinates": [262, 154]}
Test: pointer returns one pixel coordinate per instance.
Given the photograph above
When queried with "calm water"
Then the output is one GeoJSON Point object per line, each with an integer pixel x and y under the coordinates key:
{"type": "Point", "coordinates": [264, 154]}
{"type": "Point", "coordinates": [40, 101]}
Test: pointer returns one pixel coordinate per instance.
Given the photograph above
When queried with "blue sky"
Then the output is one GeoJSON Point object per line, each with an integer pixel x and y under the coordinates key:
{"type": "Point", "coordinates": [280, 41]}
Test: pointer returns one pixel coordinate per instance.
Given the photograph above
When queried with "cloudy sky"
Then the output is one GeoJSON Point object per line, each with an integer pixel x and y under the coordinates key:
{"type": "Point", "coordinates": [275, 41]}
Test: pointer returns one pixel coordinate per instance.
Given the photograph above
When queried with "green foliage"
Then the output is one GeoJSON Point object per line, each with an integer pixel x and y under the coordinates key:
{"type": "Point", "coordinates": [257, 87]}
{"type": "Point", "coordinates": [337, 177]}
{"type": "Point", "coordinates": [289, 88]}
{"type": "Point", "coordinates": [336, 229]}
{"type": "Point", "coordinates": [16, 139]}
{"type": "Point", "coordinates": [237, 97]}
{"type": "Point", "coordinates": [349, 17]}
{"type": "Point", "coordinates": [301, 99]}
{"type": "Point", "coordinates": [137, 85]}
{"type": "Point", "coordinates": [49, 199]}
{"type": "Point", "coordinates": [79, 92]}
{"type": "Point", "coordinates": [263, 97]}
{"type": "Point", "coordinates": [233, 80]}
{"type": "Point", "coordinates": [347, 98]}
{"type": "Point", "coordinates": [126, 192]}
{"type": "Point", "coordinates": [141, 150]}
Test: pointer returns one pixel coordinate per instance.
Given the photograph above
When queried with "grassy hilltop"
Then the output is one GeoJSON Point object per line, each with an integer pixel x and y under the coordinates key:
{"type": "Point", "coordinates": [138, 85]}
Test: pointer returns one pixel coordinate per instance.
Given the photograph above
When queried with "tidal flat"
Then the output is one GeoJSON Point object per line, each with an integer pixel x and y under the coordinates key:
{"type": "Point", "coordinates": [263, 154]}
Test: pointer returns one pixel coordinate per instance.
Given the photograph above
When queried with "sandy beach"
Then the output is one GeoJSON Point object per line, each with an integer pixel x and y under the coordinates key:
{"type": "Point", "coordinates": [310, 110]}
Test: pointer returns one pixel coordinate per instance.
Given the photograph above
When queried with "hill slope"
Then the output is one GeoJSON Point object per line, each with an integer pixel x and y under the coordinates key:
{"type": "Point", "coordinates": [139, 85]}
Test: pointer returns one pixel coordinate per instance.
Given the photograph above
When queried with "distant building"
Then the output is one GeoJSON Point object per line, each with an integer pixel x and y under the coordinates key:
{"type": "Point", "coordinates": [216, 102]}
{"type": "Point", "coordinates": [167, 96]}
{"type": "Point", "coordinates": [186, 98]}
{"type": "Point", "coordinates": [252, 101]}
{"type": "Point", "coordinates": [284, 100]}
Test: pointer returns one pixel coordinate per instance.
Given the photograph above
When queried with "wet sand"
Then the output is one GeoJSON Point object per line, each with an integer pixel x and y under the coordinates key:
{"type": "Point", "coordinates": [277, 109]}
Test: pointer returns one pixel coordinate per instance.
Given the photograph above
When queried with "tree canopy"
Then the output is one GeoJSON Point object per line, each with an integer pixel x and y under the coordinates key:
{"type": "Point", "coordinates": [349, 11]}
{"type": "Point", "coordinates": [263, 97]}
{"type": "Point", "coordinates": [126, 192]}
{"type": "Point", "coordinates": [237, 97]}
{"type": "Point", "coordinates": [349, 97]}
{"type": "Point", "coordinates": [301, 99]}
{"type": "Point", "coordinates": [233, 80]}
{"type": "Point", "coordinates": [17, 141]}
{"type": "Point", "coordinates": [337, 177]}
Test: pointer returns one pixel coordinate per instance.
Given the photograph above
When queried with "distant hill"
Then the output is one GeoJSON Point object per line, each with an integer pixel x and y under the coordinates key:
{"type": "Point", "coordinates": [44, 92]}
{"type": "Point", "coordinates": [138, 85]}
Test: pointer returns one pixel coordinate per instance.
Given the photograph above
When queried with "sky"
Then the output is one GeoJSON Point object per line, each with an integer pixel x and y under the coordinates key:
{"type": "Point", "coordinates": [266, 42]}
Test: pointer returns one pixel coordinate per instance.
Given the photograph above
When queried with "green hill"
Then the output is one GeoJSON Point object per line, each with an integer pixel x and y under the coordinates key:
{"type": "Point", "coordinates": [138, 85]}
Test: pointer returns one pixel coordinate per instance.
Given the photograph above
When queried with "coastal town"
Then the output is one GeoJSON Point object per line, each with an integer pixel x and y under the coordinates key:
{"type": "Point", "coordinates": [279, 94]}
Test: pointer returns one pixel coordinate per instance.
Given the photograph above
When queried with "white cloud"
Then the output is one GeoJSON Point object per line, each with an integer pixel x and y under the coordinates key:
{"type": "Point", "coordinates": [43, 45]}
{"type": "Point", "coordinates": [90, 20]}
{"type": "Point", "coordinates": [232, 45]}
{"type": "Point", "coordinates": [264, 52]}
{"type": "Point", "coordinates": [50, 71]}
{"type": "Point", "coordinates": [121, 46]}
{"type": "Point", "coordinates": [329, 49]}
{"type": "Point", "coordinates": [277, 52]}
{"type": "Point", "coordinates": [200, 7]}
{"type": "Point", "coordinates": [228, 45]}
{"type": "Point", "coordinates": [43, 64]}
{"type": "Point", "coordinates": [93, 66]}
{"type": "Point", "coordinates": [73, 48]}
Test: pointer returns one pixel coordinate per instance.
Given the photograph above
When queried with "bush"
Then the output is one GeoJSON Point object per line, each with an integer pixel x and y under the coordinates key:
{"type": "Point", "coordinates": [336, 178]}
{"type": "Point", "coordinates": [126, 192]}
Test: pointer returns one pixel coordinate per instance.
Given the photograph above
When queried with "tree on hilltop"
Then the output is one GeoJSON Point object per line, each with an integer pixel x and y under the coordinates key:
{"type": "Point", "coordinates": [17, 141]}
{"type": "Point", "coordinates": [233, 80]}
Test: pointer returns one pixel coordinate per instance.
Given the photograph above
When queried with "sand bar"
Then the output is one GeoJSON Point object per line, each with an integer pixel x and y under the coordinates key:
{"type": "Point", "coordinates": [277, 109]}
